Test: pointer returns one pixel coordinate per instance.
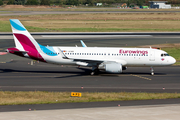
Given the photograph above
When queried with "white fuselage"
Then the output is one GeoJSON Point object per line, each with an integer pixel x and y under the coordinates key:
{"type": "Point", "coordinates": [125, 56]}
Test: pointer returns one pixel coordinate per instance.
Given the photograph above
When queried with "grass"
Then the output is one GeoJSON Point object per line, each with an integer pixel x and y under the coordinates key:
{"type": "Point", "coordinates": [71, 26]}
{"type": "Point", "coordinates": [39, 97]}
{"type": "Point", "coordinates": [5, 26]}
{"type": "Point", "coordinates": [112, 22]}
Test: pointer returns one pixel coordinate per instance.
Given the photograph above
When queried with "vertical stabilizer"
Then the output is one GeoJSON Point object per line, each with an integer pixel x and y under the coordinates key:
{"type": "Point", "coordinates": [20, 34]}
{"type": "Point", "coordinates": [24, 41]}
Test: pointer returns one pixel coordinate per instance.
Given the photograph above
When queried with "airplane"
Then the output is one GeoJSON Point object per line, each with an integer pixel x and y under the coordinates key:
{"type": "Point", "coordinates": [109, 59]}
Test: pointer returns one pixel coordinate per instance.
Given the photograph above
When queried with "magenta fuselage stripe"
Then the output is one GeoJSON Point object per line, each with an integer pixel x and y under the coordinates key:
{"type": "Point", "coordinates": [29, 47]}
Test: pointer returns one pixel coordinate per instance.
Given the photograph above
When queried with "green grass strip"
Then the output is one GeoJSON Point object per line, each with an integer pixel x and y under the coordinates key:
{"type": "Point", "coordinates": [6, 28]}
{"type": "Point", "coordinates": [40, 97]}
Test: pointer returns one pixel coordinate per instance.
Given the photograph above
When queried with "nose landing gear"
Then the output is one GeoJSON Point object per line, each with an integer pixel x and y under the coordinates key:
{"type": "Point", "coordinates": [152, 71]}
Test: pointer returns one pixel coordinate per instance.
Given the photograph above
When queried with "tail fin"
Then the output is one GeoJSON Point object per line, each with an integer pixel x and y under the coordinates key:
{"type": "Point", "coordinates": [21, 36]}
{"type": "Point", "coordinates": [24, 41]}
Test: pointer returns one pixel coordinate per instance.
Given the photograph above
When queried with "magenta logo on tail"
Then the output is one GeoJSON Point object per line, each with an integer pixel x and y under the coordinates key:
{"type": "Point", "coordinates": [29, 47]}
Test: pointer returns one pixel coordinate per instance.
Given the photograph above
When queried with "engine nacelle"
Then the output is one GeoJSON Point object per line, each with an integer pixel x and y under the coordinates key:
{"type": "Point", "coordinates": [111, 67]}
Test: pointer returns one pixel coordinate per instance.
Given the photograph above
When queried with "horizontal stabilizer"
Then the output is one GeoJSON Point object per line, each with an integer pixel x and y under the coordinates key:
{"type": "Point", "coordinates": [15, 50]}
{"type": "Point", "coordinates": [19, 51]}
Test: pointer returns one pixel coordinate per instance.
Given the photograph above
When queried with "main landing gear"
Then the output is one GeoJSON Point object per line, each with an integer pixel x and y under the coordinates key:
{"type": "Point", "coordinates": [95, 71]}
{"type": "Point", "coordinates": [152, 71]}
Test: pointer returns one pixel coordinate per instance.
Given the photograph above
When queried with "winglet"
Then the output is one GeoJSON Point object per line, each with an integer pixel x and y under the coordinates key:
{"type": "Point", "coordinates": [62, 54]}
{"type": "Point", "coordinates": [83, 44]}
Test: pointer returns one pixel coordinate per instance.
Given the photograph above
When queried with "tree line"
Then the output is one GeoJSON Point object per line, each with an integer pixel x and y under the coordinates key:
{"type": "Point", "coordinates": [82, 2]}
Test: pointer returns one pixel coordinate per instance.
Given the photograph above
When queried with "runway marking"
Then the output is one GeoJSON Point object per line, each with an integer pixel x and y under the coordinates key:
{"type": "Point", "coordinates": [141, 77]}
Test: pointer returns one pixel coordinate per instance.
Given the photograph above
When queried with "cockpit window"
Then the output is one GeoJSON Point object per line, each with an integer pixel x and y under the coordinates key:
{"type": "Point", "coordinates": [164, 54]}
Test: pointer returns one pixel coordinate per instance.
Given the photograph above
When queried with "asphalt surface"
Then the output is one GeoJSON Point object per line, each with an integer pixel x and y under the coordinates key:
{"type": "Point", "coordinates": [21, 76]}
{"type": "Point", "coordinates": [87, 105]}
{"type": "Point", "coordinates": [99, 40]}
{"type": "Point", "coordinates": [8, 13]}
{"type": "Point", "coordinates": [98, 33]}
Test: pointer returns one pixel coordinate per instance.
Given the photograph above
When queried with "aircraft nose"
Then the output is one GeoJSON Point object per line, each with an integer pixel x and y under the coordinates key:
{"type": "Point", "coordinates": [173, 60]}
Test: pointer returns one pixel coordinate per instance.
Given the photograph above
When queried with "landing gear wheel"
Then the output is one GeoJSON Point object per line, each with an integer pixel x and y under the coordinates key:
{"type": "Point", "coordinates": [92, 73]}
{"type": "Point", "coordinates": [152, 71]}
{"type": "Point", "coordinates": [95, 71]}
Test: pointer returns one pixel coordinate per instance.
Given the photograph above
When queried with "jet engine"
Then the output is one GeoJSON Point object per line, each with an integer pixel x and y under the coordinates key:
{"type": "Point", "coordinates": [111, 67]}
